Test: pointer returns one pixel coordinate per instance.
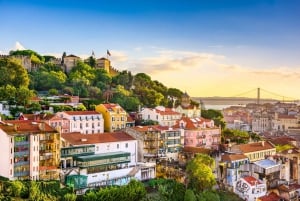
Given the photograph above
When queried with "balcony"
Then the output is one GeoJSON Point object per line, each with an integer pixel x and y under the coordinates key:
{"type": "Point", "coordinates": [21, 174]}
{"type": "Point", "coordinates": [21, 153]}
{"type": "Point", "coordinates": [103, 159]}
{"type": "Point", "coordinates": [200, 144]}
{"type": "Point", "coordinates": [20, 163]}
{"type": "Point", "coordinates": [150, 147]}
{"type": "Point", "coordinates": [200, 136]}
{"type": "Point", "coordinates": [17, 143]}
{"type": "Point", "coordinates": [47, 140]}
{"type": "Point", "coordinates": [77, 151]}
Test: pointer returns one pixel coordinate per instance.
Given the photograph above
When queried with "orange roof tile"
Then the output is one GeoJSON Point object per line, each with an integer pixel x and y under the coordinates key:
{"type": "Point", "coordinates": [25, 127]}
{"type": "Point", "coordinates": [112, 105]}
{"type": "Point", "coordinates": [251, 180]}
{"type": "Point", "coordinates": [233, 157]}
{"type": "Point", "coordinates": [78, 138]}
{"type": "Point", "coordinates": [257, 146]}
{"type": "Point", "coordinates": [196, 150]}
{"type": "Point", "coordinates": [282, 140]}
{"type": "Point", "coordinates": [271, 197]}
{"type": "Point", "coordinates": [38, 116]}
{"type": "Point", "coordinates": [167, 111]}
{"type": "Point", "coordinates": [284, 116]}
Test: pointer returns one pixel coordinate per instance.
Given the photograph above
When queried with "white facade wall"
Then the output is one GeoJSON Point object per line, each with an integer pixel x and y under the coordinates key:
{"type": "Point", "coordinates": [85, 124]}
{"type": "Point", "coordinates": [162, 119]}
{"type": "Point", "coordinates": [250, 192]}
{"type": "Point", "coordinates": [6, 159]}
{"type": "Point", "coordinates": [34, 157]}
{"type": "Point", "coordinates": [4, 109]}
{"type": "Point", "coordinates": [103, 176]}
{"type": "Point", "coordinates": [125, 146]}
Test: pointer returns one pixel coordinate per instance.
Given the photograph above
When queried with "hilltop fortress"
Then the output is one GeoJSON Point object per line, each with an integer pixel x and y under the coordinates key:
{"type": "Point", "coordinates": [66, 63]}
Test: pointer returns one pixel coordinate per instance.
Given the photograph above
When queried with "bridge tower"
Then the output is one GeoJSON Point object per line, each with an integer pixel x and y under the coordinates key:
{"type": "Point", "coordinates": [258, 96]}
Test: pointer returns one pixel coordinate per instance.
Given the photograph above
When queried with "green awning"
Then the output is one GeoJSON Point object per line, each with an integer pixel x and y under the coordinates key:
{"type": "Point", "coordinates": [102, 156]}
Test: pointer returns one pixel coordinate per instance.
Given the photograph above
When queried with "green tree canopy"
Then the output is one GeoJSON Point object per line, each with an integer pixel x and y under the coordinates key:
{"type": "Point", "coordinates": [215, 115]}
{"type": "Point", "coordinates": [13, 73]}
{"type": "Point", "coordinates": [199, 171]}
{"type": "Point", "coordinates": [30, 53]}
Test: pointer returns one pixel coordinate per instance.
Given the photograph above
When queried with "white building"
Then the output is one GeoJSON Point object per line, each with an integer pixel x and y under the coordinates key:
{"type": "Point", "coordinates": [4, 108]}
{"type": "Point", "coordinates": [164, 116]}
{"type": "Point", "coordinates": [107, 159]}
{"type": "Point", "coordinates": [85, 122]}
{"type": "Point", "coordinates": [249, 188]}
{"type": "Point", "coordinates": [29, 150]}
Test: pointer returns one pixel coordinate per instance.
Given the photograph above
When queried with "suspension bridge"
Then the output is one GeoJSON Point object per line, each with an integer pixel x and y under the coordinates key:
{"type": "Point", "coordinates": [256, 95]}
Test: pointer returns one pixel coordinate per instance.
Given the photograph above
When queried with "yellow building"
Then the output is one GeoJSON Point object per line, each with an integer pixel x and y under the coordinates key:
{"type": "Point", "coordinates": [114, 115]}
{"type": "Point", "coordinates": [255, 151]}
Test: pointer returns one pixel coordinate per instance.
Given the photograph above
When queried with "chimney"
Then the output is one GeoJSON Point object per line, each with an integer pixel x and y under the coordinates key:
{"type": "Point", "coordinates": [42, 126]}
{"type": "Point", "coordinates": [263, 143]}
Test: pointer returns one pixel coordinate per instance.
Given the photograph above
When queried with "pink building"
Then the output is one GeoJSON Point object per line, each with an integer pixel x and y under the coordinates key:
{"type": "Point", "coordinates": [200, 132]}
{"type": "Point", "coordinates": [62, 125]}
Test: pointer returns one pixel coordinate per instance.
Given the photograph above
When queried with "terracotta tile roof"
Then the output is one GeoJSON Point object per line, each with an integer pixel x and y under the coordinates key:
{"type": "Point", "coordinates": [130, 119]}
{"type": "Point", "coordinates": [233, 157]}
{"type": "Point", "coordinates": [191, 107]}
{"type": "Point", "coordinates": [25, 127]}
{"type": "Point", "coordinates": [253, 147]}
{"type": "Point", "coordinates": [251, 180]}
{"type": "Point", "coordinates": [167, 111]}
{"type": "Point", "coordinates": [111, 105]}
{"type": "Point", "coordinates": [288, 188]}
{"type": "Point", "coordinates": [192, 123]}
{"type": "Point", "coordinates": [284, 116]}
{"type": "Point", "coordinates": [196, 150]}
{"type": "Point", "coordinates": [153, 128]}
{"type": "Point", "coordinates": [189, 124]}
{"type": "Point", "coordinates": [271, 197]}
{"type": "Point", "coordinates": [38, 116]}
{"type": "Point", "coordinates": [146, 128]}
{"type": "Point", "coordinates": [78, 138]}
{"type": "Point", "coordinates": [282, 140]}
{"type": "Point", "coordinates": [82, 112]}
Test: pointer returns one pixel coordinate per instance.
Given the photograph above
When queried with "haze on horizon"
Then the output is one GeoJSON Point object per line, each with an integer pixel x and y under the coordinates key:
{"type": "Point", "coordinates": [206, 48]}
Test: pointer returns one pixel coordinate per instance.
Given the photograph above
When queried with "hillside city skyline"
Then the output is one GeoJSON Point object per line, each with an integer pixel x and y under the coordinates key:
{"type": "Point", "coordinates": [208, 48]}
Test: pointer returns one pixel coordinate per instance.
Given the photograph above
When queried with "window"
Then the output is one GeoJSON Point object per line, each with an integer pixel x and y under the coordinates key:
{"type": "Point", "coordinates": [118, 146]}
{"type": "Point", "coordinates": [126, 145]}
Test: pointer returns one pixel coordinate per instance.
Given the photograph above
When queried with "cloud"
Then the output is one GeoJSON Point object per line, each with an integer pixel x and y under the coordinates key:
{"type": "Point", "coordinates": [118, 56]}
{"type": "Point", "coordinates": [18, 46]}
{"type": "Point", "coordinates": [170, 60]}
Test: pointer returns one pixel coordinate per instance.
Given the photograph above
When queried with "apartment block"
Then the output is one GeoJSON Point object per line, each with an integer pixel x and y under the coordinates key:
{"type": "Point", "coordinates": [29, 150]}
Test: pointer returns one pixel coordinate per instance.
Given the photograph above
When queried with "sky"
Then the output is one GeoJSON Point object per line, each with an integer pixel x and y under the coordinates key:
{"type": "Point", "coordinates": [206, 48]}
